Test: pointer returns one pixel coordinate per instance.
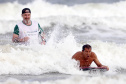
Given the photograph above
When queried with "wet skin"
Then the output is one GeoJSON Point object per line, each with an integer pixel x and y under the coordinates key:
{"type": "Point", "coordinates": [86, 57]}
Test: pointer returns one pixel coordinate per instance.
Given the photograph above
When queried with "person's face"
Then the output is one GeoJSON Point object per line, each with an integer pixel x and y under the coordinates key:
{"type": "Point", "coordinates": [87, 53]}
{"type": "Point", "coordinates": [26, 16]}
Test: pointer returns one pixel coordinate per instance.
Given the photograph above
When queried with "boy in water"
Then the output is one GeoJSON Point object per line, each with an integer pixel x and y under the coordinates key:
{"type": "Point", "coordinates": [86, 57]}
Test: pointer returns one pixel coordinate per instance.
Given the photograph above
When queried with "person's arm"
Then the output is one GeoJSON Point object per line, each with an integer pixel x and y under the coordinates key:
{"type": "Point", "coordinates": [75, 56]}
{"type": "Point", "coordinates": [15, 37]}
{"type": "Point", "coordinates": [97, 62]}
{"type": "Point", "coordinates": [42, 34]}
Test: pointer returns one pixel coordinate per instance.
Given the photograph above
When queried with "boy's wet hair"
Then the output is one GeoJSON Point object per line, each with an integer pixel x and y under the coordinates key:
{"type": "Point", "coordinates": [86, 46]}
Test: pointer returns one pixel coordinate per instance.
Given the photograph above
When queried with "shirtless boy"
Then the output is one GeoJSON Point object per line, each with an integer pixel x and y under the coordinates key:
{"type": "Point", "coordinates": [86, 57]}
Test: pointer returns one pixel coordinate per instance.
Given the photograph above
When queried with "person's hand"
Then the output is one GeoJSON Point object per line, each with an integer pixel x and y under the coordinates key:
{"type": "Point", "coordinates": [105, 67]}
{"type": "Point", "coordinates": [43, 42]}
{"type": "Point", "coordinates": [25, 39]}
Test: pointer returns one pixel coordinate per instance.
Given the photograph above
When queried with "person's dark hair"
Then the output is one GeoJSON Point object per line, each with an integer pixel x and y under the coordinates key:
{"type": "Point", "coordinates": [26, 10]}
{"type": "Point", "coordinates": [86, 46]}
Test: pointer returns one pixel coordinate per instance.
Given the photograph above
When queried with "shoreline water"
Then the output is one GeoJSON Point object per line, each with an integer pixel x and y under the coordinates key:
{"type": "Point", "coordinates": [63, 78]}
{"type": "Point", "coordinates": [41, 78]}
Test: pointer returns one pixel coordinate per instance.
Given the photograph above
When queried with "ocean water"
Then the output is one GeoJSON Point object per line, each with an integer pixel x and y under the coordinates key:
{"type": "Point", "coordinates": [67, 26]}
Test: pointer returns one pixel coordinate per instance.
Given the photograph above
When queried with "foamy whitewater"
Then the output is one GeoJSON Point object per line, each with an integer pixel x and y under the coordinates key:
{"type": "Point", "coordinates": [67, 29]}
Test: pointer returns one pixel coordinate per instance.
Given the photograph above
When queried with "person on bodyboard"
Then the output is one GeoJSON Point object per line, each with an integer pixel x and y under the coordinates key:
{"type": "Point", "coordinates": [86, 57]}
